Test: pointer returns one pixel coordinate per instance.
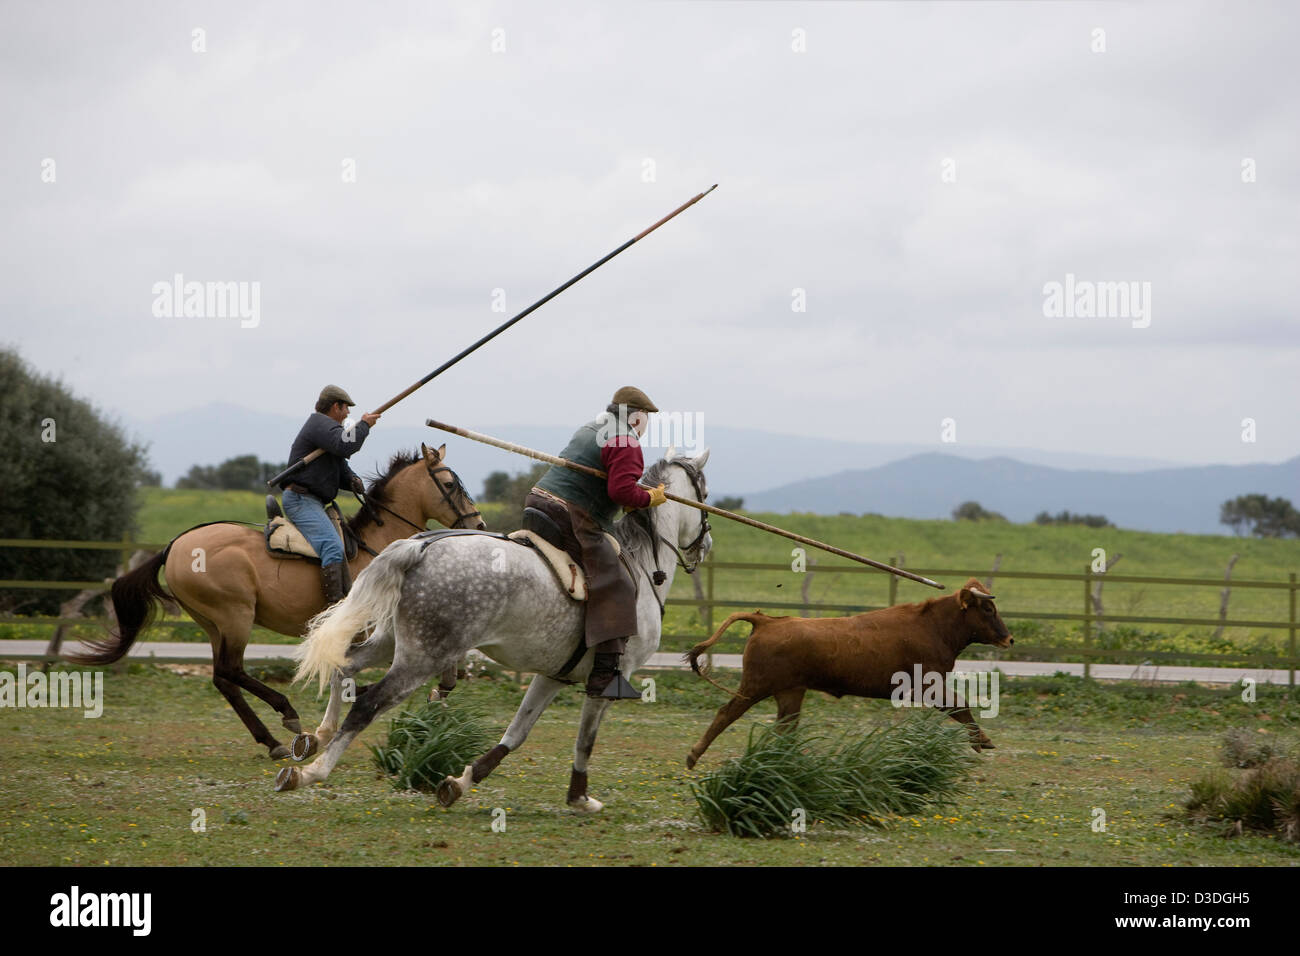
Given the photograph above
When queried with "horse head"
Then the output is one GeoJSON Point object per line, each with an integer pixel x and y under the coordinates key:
{"type": "Point", "coordinates": [446, 499]}
{"type": "Point", "coordinates": [684, 477]}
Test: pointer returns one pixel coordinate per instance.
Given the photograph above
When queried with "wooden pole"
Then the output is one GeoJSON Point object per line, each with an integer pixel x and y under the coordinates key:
{"type": "Point", "coordinates": [1291, 640]}
{"type": "Point", "coordinates": [698, 505]}
{"type": "Point", "coordinates": [1087, 622]}
{"type": "Point", "coordinates": [297, 465]}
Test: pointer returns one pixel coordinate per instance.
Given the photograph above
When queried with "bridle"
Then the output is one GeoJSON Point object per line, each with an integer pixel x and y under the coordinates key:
{"type": "Point", "coordinates": [689, 566]}
{"type": "Point", "coordinates": [455, 486]}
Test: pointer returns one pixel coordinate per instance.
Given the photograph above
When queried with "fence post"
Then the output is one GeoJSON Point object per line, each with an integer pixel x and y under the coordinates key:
{"type": "Point", "coordinates": [893, 582]}
{"type": "Point", "coordinates": [1291, 640]}
{"type": "Point", "coordinates": [708, 614]}
{"type": "Point", "coordinates": [1087, 621]}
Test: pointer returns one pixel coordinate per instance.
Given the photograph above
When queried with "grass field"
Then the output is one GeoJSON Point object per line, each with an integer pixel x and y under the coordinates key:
{"type": "Point", "coordinates": [123, 789]}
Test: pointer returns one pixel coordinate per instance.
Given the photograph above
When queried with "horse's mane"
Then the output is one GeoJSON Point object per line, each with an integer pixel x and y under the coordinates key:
{"type": "Point", "coordinates": [634, 531]}
{"type": "Point", "coordinates": [377, 489]}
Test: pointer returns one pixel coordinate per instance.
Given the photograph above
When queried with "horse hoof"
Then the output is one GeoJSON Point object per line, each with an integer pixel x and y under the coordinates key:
{"type": "Point", "coordinates": [691, 761]}
{"type": "Point", "coordinates": [279, 752]}
{"type": "Point", "coordinates": [988, 745]}
{"type": "Point", "coordinates": [294, 725]}
{"type": "Point", "coordinates": [303, 746]}
{"type": "Point", "coordinates": [287, 779]}
{"type": "Point", "coordinates": [586, 805]}
{"type": "Point", "coordinates": [448, 791]}
{"type": "Point", "coordinates": [453, 788]}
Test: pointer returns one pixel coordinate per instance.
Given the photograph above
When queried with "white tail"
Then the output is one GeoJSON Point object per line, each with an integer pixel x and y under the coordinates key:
{"type": "Point", "coordinates": [372, 603]}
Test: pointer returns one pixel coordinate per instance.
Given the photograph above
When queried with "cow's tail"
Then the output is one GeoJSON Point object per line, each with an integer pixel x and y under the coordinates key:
{"type": "Point", "coordinates": [372, 603]}
{"type": "Point", "coordinates": [692, 656]}
{"type": "Point", "coordinates": [136, 597]}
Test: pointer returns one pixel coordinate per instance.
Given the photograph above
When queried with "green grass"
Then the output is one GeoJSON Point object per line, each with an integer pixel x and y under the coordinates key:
{"type": "Point", "coordinates": [428, 741]}
{"type": "Point", "coordinates": [786, 778]}
{"type": "Point", "coordinates": [124, 789]}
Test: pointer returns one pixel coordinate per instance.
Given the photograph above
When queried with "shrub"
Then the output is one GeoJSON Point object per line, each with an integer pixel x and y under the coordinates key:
{"type": "Point", "coordinates": [68, 472]}
{"type": "Point", "coordinates": [430, 741]}
{"type": "Point", "coordinates": [1265, 799]}
{"type": "Point", "coordinates": [974, 511]}
{"type": "Point", "coordinates": [905, 767]}
{"type": "Point", "coordinates": [1066, 518]}
{"type": "Point", "coordinates": [1243, 748]}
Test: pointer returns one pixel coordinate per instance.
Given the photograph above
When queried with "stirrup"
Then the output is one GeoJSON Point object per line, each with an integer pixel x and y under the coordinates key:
{"type": "Point", "coordinates": [620, 689]}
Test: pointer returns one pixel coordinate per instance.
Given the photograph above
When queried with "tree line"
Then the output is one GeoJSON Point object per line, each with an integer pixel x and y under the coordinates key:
{"type": "Point", "coordinates": [1254, 514]}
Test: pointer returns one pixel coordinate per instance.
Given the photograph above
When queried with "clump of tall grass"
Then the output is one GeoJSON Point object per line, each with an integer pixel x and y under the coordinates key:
{"type": "Point", "coordinates": [1265, 798]}
{"type": "Point", "coordinates": [1244, 748]}
{"type": "Point", "coordinates": [427, 742]}
{"type": "Point", "coordinates": [787, 776]}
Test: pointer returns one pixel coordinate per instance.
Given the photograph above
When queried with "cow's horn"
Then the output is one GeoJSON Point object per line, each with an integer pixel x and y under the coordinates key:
{"type": "Point", "coordinates": [978, 593]}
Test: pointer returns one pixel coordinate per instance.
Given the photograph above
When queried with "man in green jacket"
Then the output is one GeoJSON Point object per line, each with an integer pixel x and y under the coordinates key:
{"type": "Point", "coordinates": [585, 508]}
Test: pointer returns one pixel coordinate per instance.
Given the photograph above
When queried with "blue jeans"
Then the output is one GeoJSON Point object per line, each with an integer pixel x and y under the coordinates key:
{"type": "Point", "coordinates": [308, 514]}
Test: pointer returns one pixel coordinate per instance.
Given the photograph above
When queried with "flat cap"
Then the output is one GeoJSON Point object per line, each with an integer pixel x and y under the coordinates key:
{"type": "Point", "coordinates": [633, 398]}
{"type": "Point", "coordinates": [332, 394]}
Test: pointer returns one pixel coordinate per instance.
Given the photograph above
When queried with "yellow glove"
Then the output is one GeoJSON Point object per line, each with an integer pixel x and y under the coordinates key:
{"type": "Point", "coordinates": [657, 496]}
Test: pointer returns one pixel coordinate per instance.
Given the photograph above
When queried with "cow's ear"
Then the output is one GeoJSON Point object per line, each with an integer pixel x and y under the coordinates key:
{"type": "Point", "coordinates": [964, 598]}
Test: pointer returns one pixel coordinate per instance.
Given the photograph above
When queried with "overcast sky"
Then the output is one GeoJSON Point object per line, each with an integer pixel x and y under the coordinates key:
{"type": "Point", "coordinates": [479, 169]}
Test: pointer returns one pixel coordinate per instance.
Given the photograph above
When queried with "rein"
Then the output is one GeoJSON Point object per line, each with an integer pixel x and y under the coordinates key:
{"type": "Point", "coordinates": [455, 484]}
{"type": "Point", "coordinates": [659, 577]}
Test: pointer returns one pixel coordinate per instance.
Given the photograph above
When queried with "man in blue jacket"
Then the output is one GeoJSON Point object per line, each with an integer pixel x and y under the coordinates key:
{"type": "Point", "coordinates": [314, 486]}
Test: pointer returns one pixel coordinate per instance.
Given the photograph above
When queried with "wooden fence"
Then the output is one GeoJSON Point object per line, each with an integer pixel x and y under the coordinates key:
{"type": "Point", "coordinates": [707, 601]}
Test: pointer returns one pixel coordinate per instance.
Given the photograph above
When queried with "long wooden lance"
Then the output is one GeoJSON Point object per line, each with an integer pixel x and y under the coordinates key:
{"type": "Point", "coordinates": [690, 502]}
{"type": "Point", "coordinates": [302, 462]}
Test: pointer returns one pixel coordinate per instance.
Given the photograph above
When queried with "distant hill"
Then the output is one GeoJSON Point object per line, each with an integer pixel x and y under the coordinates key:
{"type": "Point", "coordinates": [783, 473]}
{"type": "Point", "coordinates": [930, 485]}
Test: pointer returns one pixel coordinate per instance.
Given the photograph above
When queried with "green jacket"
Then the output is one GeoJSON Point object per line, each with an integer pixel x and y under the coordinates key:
{"type": "Point", "coordinates": [587, 492]}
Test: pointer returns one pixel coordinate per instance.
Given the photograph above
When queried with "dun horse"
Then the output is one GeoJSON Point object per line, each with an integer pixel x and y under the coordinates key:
{"type": "Point", "coordinates": [434, 600]}
{"type": "Point", "coordinates": [223, 577]}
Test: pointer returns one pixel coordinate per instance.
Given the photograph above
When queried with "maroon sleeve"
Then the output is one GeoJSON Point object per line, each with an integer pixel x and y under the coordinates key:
{"type": "Point", "coordinates": [623, 464]}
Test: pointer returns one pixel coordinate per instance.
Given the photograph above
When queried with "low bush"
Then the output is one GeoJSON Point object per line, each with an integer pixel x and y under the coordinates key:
{"type": "Point", "coordinates": [786, 776]}
{"type": "Point", "coordinates": [427, 742]}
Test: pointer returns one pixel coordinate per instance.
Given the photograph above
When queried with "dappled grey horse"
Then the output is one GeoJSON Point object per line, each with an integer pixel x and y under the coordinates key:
{"type": "Point", "coordinates": [433, 600]}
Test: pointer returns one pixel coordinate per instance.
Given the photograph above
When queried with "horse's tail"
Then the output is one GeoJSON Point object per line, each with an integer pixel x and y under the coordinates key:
{"type": "Point", "coordinates": [136, 597]}
{"type": "Point", "coordinates": [692, 656]}
{"type": "Point", "coordinates": [372, 603]}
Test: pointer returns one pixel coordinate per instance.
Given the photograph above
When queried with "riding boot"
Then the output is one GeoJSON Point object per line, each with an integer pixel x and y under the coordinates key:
{"type": "Point", "coordinates": [334, 578]}
{"type": "Point", "coordinates": [606, 681]}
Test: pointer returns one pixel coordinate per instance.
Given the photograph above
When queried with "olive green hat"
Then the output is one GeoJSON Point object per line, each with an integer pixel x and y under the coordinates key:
{"type": "Point", "coordinates": [332, 394]}
{"type": "Point", "coordinates": [633, 398]}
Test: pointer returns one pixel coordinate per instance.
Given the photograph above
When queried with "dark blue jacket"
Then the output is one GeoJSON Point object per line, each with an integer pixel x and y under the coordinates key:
{"type": "Point", "coordinates": [324, 476]}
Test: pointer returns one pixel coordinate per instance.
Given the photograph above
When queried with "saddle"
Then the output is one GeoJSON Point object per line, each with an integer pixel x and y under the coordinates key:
{"type": "Point", "coordinates": [566, 567]}
{"type": "Point", "coordinates": [284, 540]}
{"type": "Point", "coordinates": [568, 571]}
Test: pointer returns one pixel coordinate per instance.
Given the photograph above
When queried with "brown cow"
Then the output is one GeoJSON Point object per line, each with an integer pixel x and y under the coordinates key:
{"type": "Point", "coordinates": [787, 656]}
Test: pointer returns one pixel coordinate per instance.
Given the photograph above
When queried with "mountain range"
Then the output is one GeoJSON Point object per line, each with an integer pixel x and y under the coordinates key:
{"type": "Point", "coordinates": [782, 473]}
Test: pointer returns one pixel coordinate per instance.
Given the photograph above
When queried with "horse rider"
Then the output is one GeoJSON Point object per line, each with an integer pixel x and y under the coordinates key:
{"type": "Point", "coordinates": [584, 508]}
{"type": "Point", "coordinates": [314, 486]}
